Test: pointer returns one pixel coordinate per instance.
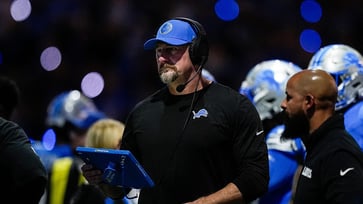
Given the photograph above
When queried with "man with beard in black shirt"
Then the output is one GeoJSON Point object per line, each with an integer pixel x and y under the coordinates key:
{"type": "Point", "coordinates": [200, 141]}
{"type": "Point", "coordinates": [333, 166]}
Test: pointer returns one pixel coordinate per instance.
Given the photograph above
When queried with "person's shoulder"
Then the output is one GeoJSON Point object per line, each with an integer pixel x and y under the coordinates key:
{"type": "Point", "coordinates": [149, 100]}
{"type": "Point", "coordinates": [227, 98]}
{"type": "Point", "coordinates": [338, 140]}
{"type": "Point", "coordinates": [222, 89]}
{"type": "Point", "coordinates": [10, 128]}
{"type": "Point", "coordinates": [157, 95]}
{"type": "Point", "coordinates": [225, 94]}
{"type": "Point", "coordinates": [6, 122]}
{"type": "Point", "coordinates": [354, 112]}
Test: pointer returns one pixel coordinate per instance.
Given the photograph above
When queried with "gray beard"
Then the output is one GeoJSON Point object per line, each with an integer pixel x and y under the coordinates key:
{"type": "Point", "coordinates": [168, 77]}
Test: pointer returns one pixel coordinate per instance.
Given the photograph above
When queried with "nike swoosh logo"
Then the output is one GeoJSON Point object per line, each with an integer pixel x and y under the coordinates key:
{"type": "Point", "coordinates": [342, 173]}
{"type": "Point", "coordinates": [259, 133]}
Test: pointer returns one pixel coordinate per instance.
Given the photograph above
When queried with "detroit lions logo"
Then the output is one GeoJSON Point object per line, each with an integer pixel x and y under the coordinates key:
{"type": "Point", "coordinates": [166, 28]}
{"type": "Point", "coordinates": [202, 112]}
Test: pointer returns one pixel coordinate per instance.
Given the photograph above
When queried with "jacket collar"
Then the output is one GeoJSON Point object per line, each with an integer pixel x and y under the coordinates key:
{"type": "Point", "coordinates": [336, 121]}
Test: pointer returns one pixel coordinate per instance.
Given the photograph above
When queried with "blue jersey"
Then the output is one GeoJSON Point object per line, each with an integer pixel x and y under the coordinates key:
{"type": "Point", "coordinates": [284, 158]}
{"type": "Point", "coordinates": [49, 156]}
{"type": "Point", "coordinates": [353, 121]}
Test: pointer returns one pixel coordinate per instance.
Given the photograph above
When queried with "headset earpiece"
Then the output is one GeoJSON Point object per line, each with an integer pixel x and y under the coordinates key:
{"type": "Point", "coordinates": [199, 49]}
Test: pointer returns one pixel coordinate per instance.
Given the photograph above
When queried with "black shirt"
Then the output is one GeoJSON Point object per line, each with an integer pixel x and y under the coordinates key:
{"type": "Point", "coordinates": [193, 152]}
{"type": "Point", "coordinates": [23, 177]}
{"type": "Point", "coordinates": [333, 169]}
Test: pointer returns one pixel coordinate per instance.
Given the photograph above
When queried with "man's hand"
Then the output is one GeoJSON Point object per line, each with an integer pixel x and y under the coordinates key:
{"type": "Point", "coordinates": [92, 175]}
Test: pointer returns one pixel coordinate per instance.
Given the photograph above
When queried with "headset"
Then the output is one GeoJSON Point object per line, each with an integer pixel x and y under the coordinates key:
{"type": "Point", "coordinates": [199, 49]}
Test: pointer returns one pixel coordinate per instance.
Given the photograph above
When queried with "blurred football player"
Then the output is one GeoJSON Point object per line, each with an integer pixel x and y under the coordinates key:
{"type": "Point", "coordinates": [345, 64]}
{"type": "Point", "coordinates": [264, 85]}
{"type": "Point", "coordinates": [69, 115]}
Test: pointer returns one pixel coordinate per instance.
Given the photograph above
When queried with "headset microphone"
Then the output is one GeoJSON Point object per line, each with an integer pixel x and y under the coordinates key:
{"type": "Point", "coordinates": [181, 87]}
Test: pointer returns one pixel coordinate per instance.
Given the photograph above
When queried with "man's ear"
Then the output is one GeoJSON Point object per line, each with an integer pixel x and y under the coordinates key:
{"type": "Point", "coordinates": [309, 99]}
{"type": "Point", "coordinates": [310, 103]}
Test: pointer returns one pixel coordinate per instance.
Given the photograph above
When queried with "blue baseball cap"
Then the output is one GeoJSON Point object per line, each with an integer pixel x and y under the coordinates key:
{"type": "Point", "coordinates": [172, 32]}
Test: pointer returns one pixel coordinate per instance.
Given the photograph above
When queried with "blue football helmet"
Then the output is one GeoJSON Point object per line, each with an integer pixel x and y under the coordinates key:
{"type": "Point", "coordinates": [265, 85]}
{"type": "Point", "coordinates": [345, 64]}
{"type": "Point", "coordinates": [73, 107]}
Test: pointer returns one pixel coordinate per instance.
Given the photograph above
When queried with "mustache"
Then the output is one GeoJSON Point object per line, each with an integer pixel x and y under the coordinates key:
{"type": "Point", "coordinates": [166, 66]}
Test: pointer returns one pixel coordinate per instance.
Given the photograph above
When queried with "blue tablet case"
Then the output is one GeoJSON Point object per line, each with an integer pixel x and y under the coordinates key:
{"type": "Point", "coordinates": [119, 167]}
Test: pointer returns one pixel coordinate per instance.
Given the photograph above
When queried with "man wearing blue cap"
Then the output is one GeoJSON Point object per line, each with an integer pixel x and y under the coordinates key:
{"type": "Point", "coordinates": [200, 141]}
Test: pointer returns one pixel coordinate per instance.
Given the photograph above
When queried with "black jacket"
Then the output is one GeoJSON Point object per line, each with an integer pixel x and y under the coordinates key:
{"type": "Point", "coordinates": [23, 176]}
{"type": "Point", "coordinates": [333, 169]}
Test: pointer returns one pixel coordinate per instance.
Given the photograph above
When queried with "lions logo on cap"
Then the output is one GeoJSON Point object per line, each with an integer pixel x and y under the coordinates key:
{"type": "Point", "coordinates": [166, 28]}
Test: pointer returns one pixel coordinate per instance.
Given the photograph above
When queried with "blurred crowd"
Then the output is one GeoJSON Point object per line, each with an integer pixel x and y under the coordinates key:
{"type": "Point", "coordinates": [108, 36]}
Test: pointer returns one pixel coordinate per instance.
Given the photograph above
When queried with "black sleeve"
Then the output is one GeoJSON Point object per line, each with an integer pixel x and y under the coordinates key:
{"type": "Point", "coordinates": [23, 169]}
{"type": "Point", "coordinates": [251, 152]}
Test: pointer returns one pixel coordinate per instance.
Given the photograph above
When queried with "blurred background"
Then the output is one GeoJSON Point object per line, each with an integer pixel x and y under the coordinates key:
{"type": "Point", "coordinates": [51, 46]}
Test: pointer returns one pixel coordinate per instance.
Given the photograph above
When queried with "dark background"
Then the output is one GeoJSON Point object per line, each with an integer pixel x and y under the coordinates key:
{"type": "Point", "coordinates": [107, 36]}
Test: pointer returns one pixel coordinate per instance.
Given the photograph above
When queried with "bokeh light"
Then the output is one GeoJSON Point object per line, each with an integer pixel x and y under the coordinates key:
{"type": "Point", "coordinates": [310, 40]}
{"type": "Point", "coordinates": [20, 9]}
{"type": "Point", "coordinates": [108, 36]}
{"type": "Point", "coordinates": [49, 139]}
{"type": "Point", "coordinates": [92, 84]}
{"type": "Point", "coordinates": [226, 10]}
{"type": "Point", "coordinates": [50, 58]}
{"type": "Point", "coordinates": [311, 11]}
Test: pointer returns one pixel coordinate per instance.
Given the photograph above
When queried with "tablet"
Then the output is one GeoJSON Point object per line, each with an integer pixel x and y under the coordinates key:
{"type": "Point", "coordinates": [119, 167]}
